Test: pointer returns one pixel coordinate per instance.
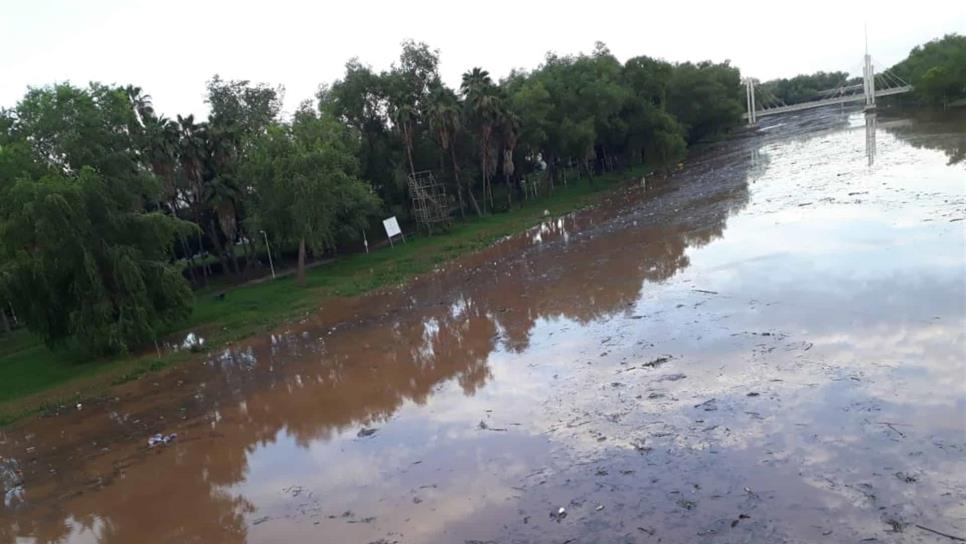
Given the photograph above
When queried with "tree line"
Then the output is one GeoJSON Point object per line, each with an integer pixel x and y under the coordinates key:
{"type": "Point", "coordinates": [107, 206]}
{"type": "Point", "coordinates": [108, 209]}
{"type": "Point", "coordinates": [937, 72]}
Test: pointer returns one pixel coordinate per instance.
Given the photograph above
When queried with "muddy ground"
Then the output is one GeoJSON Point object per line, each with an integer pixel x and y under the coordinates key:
{"type": "Point", "coordinates": [769, 346]}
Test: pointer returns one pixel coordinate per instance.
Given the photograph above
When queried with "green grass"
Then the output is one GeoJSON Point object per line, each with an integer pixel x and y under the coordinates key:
{"type": "Point", "coordinates": [31, 375]}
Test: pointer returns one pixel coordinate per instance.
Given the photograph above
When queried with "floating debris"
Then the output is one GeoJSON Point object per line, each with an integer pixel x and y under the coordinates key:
{"type": "Point", "coordinates": [559, 514]}
{"type": "Point", "coordinates": [160, 439]}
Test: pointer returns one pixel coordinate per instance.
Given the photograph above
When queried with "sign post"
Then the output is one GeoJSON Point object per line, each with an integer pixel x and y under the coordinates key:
{"type": "Point", "coordinates": [392, 229]}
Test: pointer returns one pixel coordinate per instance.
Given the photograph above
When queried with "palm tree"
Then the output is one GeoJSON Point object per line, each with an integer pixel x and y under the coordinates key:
{"type": "Point", "coordinates": [483, 104]}
{"type": "Point", "coordinates": [404, 118]}
{"type": "Point", "coordinates": [444, 119]}
{"type": "Point", "coordinates": [143, 108]}
{"type": "Point", "coordinates": [162, 139]}
{"type": "Point", "coordinates": [510, 129]}
{"type": "Point", "coordinates": [192, 152]}
{"type": "Point", "coordinates": [194, 155]}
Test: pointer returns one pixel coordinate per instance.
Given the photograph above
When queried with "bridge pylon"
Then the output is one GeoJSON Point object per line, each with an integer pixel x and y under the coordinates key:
{"type": "Point", "coordinates": [750, 101]}
{"type": "Point", "coordinates": [868, 82]}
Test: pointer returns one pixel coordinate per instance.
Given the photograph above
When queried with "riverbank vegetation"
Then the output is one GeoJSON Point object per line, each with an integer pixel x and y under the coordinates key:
{"type": "Point", "coordinates": [937, 72]}
{"type": "Point", "coordinates": [62, 376]}
{"type": "Point", "coordinates": [110, 213]}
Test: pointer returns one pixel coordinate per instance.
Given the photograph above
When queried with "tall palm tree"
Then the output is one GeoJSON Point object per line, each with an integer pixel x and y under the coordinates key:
{"type": "Point", "coordinates": [510, 131]}
{"type": "Point", "coordinates": [143, 107]}
{"type": "Point", "coordinates": [162, 139]}
{"type": "Point", "coordinates": [404, 118]}
{"type": "Point", "coordinates": [194, 156]}
{"type": "Point", "coordinates": [483, 105]}
{"type": "Point", "coordinates": [444, 119]}
{"type": "Point", "coordinates": [192, 152]}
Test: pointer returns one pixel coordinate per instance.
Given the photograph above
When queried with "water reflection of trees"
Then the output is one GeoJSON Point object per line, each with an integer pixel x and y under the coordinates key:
{"type": "Point", "coordinates": [311, 385]}
{"type": "Point", "coordinates": [942, 131]}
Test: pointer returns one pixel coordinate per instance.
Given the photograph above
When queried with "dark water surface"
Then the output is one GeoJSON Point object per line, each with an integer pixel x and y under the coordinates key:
{"type": "Point", "coordinates": [768, 347]}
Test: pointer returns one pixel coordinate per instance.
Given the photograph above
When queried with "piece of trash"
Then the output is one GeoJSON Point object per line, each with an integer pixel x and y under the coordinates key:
{"type": "Point", "coordinates": [753, 394]}
{"type": "Point", "coordinates": [657, 362]}
{"type": "Point", "coordinates": [708, 405]}
{"type": "Point", "coordinates": [160, 439]}
{"type": "Point", "coordinates": [13, 497]}
{"type": "Point", "coordinates": [193, 342]}
{"type": "Point", "coordinates": [639, 446]}
{"type": "Point", "coordinates": [599, 507]}
{"type": "Point", "coordinates": [687, 505]}
{"type": "Point", "coordinates": [559, 514]}
{"type": "Point", "coordinates": [364, 432]}
{"type": "Point", "coordinates": [80, 406]}
{"type": "Point", "coordinates": [906, 477]}
{"type": "Point", "coordinates": [260, 520]}
{"type": "Point", "coordinates": [740, 517]}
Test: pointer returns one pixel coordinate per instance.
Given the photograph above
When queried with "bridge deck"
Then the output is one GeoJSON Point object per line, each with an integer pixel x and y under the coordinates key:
{"type": "Point", "coordinates": [828, 102]}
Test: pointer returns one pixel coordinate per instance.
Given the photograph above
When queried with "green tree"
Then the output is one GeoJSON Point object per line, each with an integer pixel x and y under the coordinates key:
{"type": "Point", "coordinates": [86, 250]}
{"type": "Point", "coordinates": [444, 119]}
{"type": "Point", "coordinates": [706, 98]}
{"type": "Point", "coordinates": [82, 259]}
{"type": "Point", "coordinates": [936, 70]}
{"type": "Point", "coordinates": [483, 106]}
{"type": "Point", "coordinates": [306, 186]}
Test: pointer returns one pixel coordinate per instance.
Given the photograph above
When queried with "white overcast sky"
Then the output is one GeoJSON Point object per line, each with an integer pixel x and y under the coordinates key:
{"type": "Point", "coordinates": [171, 47]}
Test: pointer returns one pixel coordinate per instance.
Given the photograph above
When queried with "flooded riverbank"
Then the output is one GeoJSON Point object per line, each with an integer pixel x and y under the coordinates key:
{"type": "Point", "coordinates": [769, 346]}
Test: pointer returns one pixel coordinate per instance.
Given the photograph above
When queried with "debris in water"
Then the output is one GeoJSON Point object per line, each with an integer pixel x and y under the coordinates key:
{"type": "Point", "coordinates": [13, 496]}
{"type": "Point", "coordinates": [687, 505]}
{"type": "Point", "coordinates": [261, 520]}
{"type": "Point", "coordinates": [599, 507]}
{"type": "Point", "coordinates": [753, 394]}
{"type": "Point", "coordinates": [657, 362]}
{"type": "Point", "coordinates": [734, 523]}
{"type": "Point", "coordinates": [639, 446]}
{"type": "Point", "coordinates": [708, 405]}
{"type": "Point", "coordinates": [940, 533]}
{"type": "Point", "coordinates": [160, 439]}
{"type": "Point", "coordinates": [906, 477]}
{"type": "Point", "coordinates": [364, 432]}
{"type": "Point", "coordinates": [484, 427]}
{"type": "Point", "coordinates": [559, 514]}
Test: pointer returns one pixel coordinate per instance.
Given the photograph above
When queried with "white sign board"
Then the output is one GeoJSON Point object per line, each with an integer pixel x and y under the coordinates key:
{"type": "Point", "coordinates": [392, 227]}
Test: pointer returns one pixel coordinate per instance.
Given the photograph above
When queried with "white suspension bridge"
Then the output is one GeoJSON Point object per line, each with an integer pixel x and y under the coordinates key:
{"type": "Point", "coordinates": [873, 86]}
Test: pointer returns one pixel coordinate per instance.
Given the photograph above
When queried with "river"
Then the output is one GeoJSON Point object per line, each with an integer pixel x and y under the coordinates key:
{"type": "Point", "coordinates": [768, 346]}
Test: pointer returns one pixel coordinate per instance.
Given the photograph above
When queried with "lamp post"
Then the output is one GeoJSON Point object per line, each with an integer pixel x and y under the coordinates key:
{"type": "Point", "coordinates": [269, 248]}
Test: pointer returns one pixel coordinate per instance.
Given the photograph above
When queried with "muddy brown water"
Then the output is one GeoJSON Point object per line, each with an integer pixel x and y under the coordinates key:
{"type": "Point", "coordinates": [767, 347]}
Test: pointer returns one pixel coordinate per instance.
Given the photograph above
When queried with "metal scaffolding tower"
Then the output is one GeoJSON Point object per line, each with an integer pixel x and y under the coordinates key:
{"type": "Point", "coordinates": [431, 204]}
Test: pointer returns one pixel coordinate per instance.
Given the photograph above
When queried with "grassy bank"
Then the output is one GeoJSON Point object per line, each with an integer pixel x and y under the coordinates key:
{"type": "Point", "coordinates": [33, 376]}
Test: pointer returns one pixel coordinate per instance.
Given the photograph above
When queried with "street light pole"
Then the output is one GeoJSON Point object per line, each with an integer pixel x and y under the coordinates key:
{"type": "Point", "coordinates": [269, 248]}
